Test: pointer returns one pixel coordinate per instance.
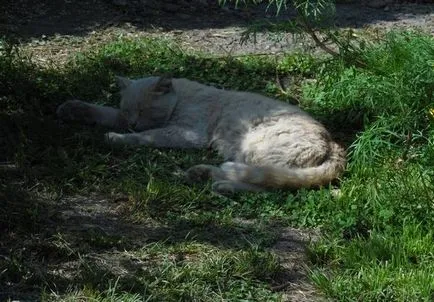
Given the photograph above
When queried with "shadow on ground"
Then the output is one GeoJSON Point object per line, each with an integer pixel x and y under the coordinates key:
{"type": "Point", "coordinates": [50, 244]}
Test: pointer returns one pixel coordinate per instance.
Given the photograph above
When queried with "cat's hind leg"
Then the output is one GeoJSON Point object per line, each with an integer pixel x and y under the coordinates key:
{"type": "Point", "coordinates": [223, 177]}
{"type": "Point", "coordinates": [91, 114]}
{"type": "Point", "coordinates": [226, 171]}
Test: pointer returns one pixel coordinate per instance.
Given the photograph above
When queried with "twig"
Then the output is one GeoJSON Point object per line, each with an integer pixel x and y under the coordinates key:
{"type": "Point", "coordinates": [318, 42]}
{"type": "Point", "coordinates": [305, 23]}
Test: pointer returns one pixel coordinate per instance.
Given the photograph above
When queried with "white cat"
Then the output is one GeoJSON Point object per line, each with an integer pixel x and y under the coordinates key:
{"type": "Point", "coordinates": [266, 143]}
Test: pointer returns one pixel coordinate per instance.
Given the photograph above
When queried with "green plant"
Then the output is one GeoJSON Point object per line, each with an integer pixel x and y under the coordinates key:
{"type": "Point", "coordinates": [314, 18]}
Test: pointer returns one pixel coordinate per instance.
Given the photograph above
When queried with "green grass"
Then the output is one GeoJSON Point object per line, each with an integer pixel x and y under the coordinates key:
{"type": "Point", "coordinates": [377, 239]}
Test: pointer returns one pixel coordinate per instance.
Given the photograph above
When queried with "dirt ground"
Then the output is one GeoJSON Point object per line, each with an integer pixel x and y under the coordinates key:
{"type": "Point", "coordinates": [54, 29]}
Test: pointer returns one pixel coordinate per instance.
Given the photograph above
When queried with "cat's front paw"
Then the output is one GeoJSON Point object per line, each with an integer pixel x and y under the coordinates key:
{"type": "Point", "coordinates": [75, 111]}
{"type": "Point", "coordinates": [223, 187]}
{"type": "Point", "coordinates": [113, 138]}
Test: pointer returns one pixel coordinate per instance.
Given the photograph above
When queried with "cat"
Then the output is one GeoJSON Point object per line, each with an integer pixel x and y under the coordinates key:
{"type": "Point", "coordinates": [266, 143]}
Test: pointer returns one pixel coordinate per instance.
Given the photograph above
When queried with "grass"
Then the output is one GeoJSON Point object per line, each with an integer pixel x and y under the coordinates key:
{"type": "Point", "coordinates": [182, 243]}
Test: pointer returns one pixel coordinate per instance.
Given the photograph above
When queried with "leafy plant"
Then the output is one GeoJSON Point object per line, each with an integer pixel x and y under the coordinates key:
{"type": "Point", "coordinates": [315, 18]}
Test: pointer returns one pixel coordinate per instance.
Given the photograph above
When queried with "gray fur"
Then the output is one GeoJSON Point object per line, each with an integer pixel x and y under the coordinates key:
{"type": "Point", "coordinates": [266, 143]}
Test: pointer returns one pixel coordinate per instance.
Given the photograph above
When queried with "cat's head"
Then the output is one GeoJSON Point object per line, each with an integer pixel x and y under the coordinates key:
{"type": "Point", "coordinates": [147, 102]}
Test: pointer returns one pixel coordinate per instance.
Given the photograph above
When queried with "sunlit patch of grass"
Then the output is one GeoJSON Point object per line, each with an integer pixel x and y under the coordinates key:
{"type": "Point", "coordinates": [382, 245]}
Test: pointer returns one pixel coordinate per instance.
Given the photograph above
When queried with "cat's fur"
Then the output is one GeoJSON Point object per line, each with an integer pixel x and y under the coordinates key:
{"type": "Point", "coordinates": [266, 143]}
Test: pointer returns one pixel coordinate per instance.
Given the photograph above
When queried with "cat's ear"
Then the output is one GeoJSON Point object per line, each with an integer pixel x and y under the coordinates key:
{"type": "Point", "coordinates": [123, 82]}
{"type": "Point", "coordinates": [163, 85]}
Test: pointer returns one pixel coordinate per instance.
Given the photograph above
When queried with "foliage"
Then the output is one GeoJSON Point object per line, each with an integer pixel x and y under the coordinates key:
{"type": "Point", "coordinates": [314, 18]}
{"type": "Point", "coordinates": [384, 206]}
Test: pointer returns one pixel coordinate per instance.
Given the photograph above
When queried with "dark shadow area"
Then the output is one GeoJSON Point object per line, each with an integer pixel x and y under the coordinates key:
{"type": "Point", "coordinates": [358, 15]}
{"type": "Point", "coordinates": [57, 243]}
{"type": "Point", "coordinates": [26, 19]}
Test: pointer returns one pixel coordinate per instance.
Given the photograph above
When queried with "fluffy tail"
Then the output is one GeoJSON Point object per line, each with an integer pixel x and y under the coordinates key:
{"type": "Point", "coordinates": [274, 177]}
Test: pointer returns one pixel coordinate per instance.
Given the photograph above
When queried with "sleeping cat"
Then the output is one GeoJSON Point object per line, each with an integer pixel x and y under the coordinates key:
{"type": "Point", "coordinates": [265, 143]}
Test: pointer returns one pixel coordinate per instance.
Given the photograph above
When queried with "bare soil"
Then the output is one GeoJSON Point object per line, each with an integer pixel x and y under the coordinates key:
{"type": "Point", "coordinates": [52, 30]}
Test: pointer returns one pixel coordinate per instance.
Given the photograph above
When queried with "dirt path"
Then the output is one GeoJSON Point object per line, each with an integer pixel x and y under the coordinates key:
{"type": "Point", "coordinates": [54, 29]}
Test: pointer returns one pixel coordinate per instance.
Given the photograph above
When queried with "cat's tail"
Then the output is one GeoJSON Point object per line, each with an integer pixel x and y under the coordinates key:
{"type": "Point", "coordinates": [276, 177]}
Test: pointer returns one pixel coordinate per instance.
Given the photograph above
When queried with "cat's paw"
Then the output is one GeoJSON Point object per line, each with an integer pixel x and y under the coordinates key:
{"type": "Point", "coordinates": [75, 111]}
{"type": "Point", "coordinates": [199, 173]}
{"type": "Point", "coordinates": [113, 138]}
{"type": "Point", "coordinates": [224, 187]}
